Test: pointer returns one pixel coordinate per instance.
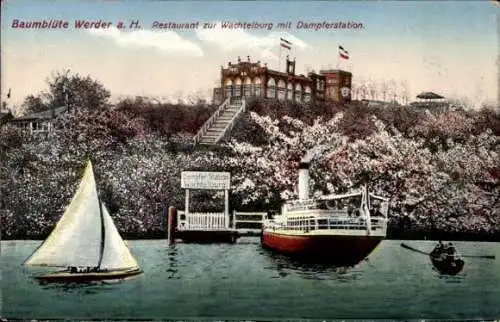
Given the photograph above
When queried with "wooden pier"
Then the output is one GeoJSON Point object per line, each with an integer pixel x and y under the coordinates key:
{"type": "Point", "coordinates": [213, 227]}
{"type": "Point", "coordinates": [210, 227]}
{"type": "Point", "coordinates": [196, 227]}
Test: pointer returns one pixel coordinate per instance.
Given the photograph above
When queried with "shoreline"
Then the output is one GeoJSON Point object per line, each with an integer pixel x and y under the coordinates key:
{"type": "Point", "coordinates": [391, 235]}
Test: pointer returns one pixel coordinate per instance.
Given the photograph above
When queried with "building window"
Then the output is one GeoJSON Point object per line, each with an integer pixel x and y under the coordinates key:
{"type": "Point", "coordinates": [298, 93]}
{"type": "Point", "coordinates": [281, 90]}
{"type": "Point", "coordinates": [257, 87]}
{"type": "Point", "coordinates": [271, 88]}
{"type": "Point", "coordinates": [25, 125]}
{"type": "Point", "coordinates": [228, 87]}
{"type": "Point", "coordinates": [247, 88]}
{"type": "Point", "coordinates": [289, 92]}
{"type": "Point", "coordinates": [332, 94]}
{"type": "Point", "coordinates": [320, 85]}
{"type": "Point", "coordinates": [307, 94]}
{"type": "Point", "coordinates": [237, 88]}
{"type": "Point", "coordinates": [40, 126]}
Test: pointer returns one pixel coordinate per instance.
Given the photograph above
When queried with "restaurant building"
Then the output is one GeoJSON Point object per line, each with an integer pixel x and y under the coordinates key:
{"type": "Point", "coordinates": [252, 79]}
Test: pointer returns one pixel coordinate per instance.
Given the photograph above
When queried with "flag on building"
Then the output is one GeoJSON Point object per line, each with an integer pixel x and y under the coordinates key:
{"type": "Point", "coordinates": [285, 44]}
{"type": "Point", "coordinates": [343, 53]}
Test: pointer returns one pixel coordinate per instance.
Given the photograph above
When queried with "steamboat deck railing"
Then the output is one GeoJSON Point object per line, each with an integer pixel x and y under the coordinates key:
{"type": "Point", "coordinates": [378, 224]}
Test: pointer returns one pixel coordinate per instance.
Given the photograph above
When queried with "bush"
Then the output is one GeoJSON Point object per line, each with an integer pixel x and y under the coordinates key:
{"type": "Point", "coordinates": [167, 119]}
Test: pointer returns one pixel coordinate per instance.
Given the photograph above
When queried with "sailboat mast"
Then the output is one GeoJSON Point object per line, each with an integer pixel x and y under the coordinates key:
{"type": "Point", "coordinates": [103, 233]}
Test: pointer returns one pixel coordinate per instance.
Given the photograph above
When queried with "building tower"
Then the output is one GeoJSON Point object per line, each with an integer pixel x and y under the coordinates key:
{"type": "Point", "coordinates": [290, 66]}
{"type": "Point", "coordinates": [338, 85]}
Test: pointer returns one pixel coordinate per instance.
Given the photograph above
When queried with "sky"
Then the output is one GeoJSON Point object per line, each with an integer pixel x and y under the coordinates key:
{"type": "Point", "coordinates": [447, 47]}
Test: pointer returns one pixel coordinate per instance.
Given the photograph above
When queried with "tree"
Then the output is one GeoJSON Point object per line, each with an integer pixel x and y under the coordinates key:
{"type": "Point", "coordinates": [34, 104]}
{"type": "Point", "coordinates": [66, 89]}
{"type": "Point", "coordinates": [372, 89]}
{"type": "Point", "coordinates": [384, 88]}
{"type": "Point", "coordinates": [393, 90]}
{"type": "Point", "coordinates": [76, 91]}
{"type": "Point", "coordinates": [405, 92]}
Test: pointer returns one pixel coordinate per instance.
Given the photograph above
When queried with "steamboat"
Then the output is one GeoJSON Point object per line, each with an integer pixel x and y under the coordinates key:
{"type": "Point", "coordinates": [338, 229]}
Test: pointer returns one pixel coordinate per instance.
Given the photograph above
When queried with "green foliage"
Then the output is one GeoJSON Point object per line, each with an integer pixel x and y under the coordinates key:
{"type": "Point", "coordinates": [167, 119]}
{"type": "Point", "coordinates": [69, 89]}
{"type": "Point", "coordinates": [34, 104]}
{"type": "Point", "coordinates": [83, 91]}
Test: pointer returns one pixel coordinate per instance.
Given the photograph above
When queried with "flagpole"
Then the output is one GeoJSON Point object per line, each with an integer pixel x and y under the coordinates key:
{"type": "Point", "coordinates": [286, 44]}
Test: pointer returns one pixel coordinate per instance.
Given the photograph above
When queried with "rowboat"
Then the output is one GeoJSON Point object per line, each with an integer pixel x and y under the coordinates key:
{"type": "Point", "coordinates": [446, 263]}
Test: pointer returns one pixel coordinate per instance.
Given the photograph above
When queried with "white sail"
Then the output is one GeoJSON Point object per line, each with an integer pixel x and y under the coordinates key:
{"type": "Point", "coordinates": [85, 236]}
{"type": "Point", "coordinates": [76, 239]}
{"type": "Point", "coordinates": [116, 254]}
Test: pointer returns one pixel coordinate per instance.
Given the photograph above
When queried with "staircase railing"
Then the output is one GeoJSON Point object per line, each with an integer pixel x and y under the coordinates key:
{"type": "Point", "coordinates": [230, 125]}
{"type": "Point", "coordinates": [211, 120]}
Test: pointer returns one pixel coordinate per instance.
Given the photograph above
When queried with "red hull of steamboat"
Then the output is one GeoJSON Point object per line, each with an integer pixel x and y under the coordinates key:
{"type": "Point", "coordinates": [335, 249]}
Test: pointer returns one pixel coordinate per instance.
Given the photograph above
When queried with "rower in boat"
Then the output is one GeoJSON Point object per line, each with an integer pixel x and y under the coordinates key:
{"type": "Point", "coordinates": [443, 251]}
{"type": "Point", "coordinates": [450, 249]}
{"type": "Point", "coordinates": [446, 259]}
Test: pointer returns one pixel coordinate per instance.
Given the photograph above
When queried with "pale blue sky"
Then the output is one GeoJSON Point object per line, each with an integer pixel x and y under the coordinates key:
{"type": "Point", "coordinates": [450, 47]}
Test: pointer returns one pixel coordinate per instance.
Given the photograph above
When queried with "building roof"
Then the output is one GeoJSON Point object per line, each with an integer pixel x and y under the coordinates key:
{"type": "Point", "coordinates": [334, 71]}
{"type": "Point", "coordinates": [283, 74]}
{"type": "Point", "coordinates": [43, 115]}
{"type": "Point", "coordinates": [429, 95]}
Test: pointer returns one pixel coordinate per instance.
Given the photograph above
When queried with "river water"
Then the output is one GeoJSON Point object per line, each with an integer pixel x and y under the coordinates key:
{"type": "Point", "coordinates": [244, 281]}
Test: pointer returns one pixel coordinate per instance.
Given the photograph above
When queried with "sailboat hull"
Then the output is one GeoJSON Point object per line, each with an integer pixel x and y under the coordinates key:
{"type": "Point", "coordinates": [68, 277]}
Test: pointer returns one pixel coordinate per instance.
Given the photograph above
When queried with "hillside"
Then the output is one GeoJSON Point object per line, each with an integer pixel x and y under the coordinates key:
{"type": "Point", "coordinates": [441, 169]}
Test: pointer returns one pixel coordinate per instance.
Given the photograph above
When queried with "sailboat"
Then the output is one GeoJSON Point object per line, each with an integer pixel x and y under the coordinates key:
{"type": "Point", "coordinates": [85, 242]}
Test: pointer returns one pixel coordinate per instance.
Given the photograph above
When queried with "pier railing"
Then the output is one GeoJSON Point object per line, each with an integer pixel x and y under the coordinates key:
{"type": "Point", "coordinates": [202, 221]}
{"type": "Point", "coordinates": [250, 222]}
{"type": "Point", "coordinates": [244, 222]}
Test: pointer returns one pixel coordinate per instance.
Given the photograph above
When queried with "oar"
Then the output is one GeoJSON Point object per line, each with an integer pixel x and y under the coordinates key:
{"type": "Point", "coordinates": [480, 256]}
{"type": "Point", "coordinates": [413, 249]}
{"type": "Point", "coordinates": [468, 256]}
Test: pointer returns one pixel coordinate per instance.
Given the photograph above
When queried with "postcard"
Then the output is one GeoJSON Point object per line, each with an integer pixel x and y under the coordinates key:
{"type": "Point", "coordinates": [249, 160]}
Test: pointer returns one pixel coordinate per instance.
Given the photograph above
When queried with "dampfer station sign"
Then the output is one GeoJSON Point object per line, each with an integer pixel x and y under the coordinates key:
{"type": "Point", "coordinates": [205, 180]}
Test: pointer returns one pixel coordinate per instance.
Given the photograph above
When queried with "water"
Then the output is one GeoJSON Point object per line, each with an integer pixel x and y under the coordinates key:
{"type": "Point", "coordinates": [243, 281]}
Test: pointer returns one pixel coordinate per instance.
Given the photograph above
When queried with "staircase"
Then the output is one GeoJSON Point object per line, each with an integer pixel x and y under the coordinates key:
{"type": "Point", "coordinates": [221, 122]}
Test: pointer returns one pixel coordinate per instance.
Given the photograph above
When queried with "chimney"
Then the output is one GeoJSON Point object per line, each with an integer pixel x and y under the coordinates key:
{"type": "Point", "coordinates": [303, 180]}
